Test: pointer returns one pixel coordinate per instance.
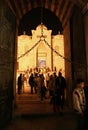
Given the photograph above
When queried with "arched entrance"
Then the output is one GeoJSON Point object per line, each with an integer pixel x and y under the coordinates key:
{"type": "Point", "coordinates": [23, 26]}
{"type": "Point", "coordinates": [42, 54]}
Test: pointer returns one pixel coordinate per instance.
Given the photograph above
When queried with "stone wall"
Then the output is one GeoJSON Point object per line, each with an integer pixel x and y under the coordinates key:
{"type": "Point", "coordinates": [68, 67]}
{"type": "Point", "coordinates": [7, 38]}
{"type": "Point", "coordinates": [78, 45]}
{"type": "Point", "coordinates": [86, 39]}
{"type": "Point", "coordinates": [75, 51]}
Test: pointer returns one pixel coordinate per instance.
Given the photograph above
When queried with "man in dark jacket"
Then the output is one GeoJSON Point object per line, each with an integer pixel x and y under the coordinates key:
{"type": "Point", "coordinates": [60, 90]}
{"type": "Point", "coordinates": [19, 83]}
{"type": "Point", "coordinates": [31, 82]}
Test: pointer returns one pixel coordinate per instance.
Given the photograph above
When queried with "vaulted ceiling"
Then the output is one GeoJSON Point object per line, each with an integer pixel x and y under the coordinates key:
{"type": "Point", "coordinates": [61, 8]}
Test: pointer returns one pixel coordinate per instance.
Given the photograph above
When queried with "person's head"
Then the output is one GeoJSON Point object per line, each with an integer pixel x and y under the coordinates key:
{"type": "Point", "coordinates": [80, 83]}
{"type": "Point", "coordinates": [31, 74]}
{"type": "Point", "coordinates": [54, 74]}
{"type": "Point", "coordinates": [51, 76]}
{"type": "Point", "coordinates": [20, 74]}
{"type": "Point", "coordinates": [60, 74]}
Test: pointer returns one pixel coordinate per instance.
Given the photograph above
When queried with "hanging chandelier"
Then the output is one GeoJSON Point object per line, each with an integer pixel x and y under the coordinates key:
{"type": "Point", "coordinates": [42, 37]}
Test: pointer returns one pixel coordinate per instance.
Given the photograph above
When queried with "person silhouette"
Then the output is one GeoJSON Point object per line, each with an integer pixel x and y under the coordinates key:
{"type": "Point", "coordinates": [60, 91]}
{"type": "Point", "coordinates": [19, 83]}
{"type": "Point", "coordinates": [79, 103]}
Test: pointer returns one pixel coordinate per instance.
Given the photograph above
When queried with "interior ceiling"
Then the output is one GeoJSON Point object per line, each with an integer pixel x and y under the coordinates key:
{"type": "Point", "coordinates": [61, 8]}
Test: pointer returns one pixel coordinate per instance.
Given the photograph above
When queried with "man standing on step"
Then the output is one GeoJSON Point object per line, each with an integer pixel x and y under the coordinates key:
{"type": "Point", "coordinates": [79, 103]}
{"type": "Point", "coordinates": [19, 83]}
{"type": "Point", "coordinates": [31, 82]}
{"type": "Point", "coordinates": [60, 91]}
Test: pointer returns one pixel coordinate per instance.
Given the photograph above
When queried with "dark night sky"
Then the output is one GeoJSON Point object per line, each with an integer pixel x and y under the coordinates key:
{"type": "Point", "coordinates": [33, 18]}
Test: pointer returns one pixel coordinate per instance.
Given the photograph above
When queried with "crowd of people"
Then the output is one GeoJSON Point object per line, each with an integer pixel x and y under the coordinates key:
{"type": "Point", "coordinates": [53, 84]}
{"type": "Point", "coordinates": [56, 87]}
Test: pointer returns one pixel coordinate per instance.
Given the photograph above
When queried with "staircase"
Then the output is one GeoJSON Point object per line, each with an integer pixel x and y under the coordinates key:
{"type": "Point", "coordinates": [33, 114]}
{"type": "Point", "coordinates": [29, 104]}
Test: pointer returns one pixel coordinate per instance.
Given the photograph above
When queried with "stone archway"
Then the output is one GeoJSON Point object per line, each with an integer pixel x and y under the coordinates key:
{"type": "Point", "coordinates": [67, 53]}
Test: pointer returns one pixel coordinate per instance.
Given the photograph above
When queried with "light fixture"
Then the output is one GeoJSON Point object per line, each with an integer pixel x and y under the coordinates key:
{"type": "Point", "coordinates": [42, 37]}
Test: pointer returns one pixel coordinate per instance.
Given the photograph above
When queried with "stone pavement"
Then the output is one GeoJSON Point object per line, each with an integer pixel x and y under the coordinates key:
{"type": "Point", "coordinates": [33, 114]}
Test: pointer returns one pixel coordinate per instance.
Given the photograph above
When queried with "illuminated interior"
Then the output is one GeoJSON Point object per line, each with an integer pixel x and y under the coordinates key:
{"type": "Point", "coordinates": [41, 56]}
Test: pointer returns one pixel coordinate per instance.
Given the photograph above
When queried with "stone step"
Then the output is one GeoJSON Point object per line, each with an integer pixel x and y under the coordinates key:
{"type": "Point", "coordinates": [31, 104]}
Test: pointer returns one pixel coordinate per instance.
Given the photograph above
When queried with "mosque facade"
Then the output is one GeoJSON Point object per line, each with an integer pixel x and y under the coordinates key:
{"type": "Point", "coordinates": [41, 50]}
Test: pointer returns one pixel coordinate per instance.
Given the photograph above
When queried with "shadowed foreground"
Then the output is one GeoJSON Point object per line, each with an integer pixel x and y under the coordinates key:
{"type": "Point", "coordinates": [33, 114]}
